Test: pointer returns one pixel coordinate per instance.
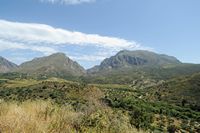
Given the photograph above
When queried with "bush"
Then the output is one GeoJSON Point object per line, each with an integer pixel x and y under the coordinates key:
{"type": "Point", "coordinates": [141, 119]}
{"type": "Point", "coordinates": [172, 129]}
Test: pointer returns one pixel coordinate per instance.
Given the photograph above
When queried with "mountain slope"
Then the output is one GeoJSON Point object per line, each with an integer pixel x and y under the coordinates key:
{"type": "Point", "coordinates": [6, 66]}
{"type": "Point", "coordinates": [57, 65]}
{"type": "Point", "coordinates": [127, 66]}
{"type": "Point", "coordinates": [128, 59]}
{"type": "Point", "coordinates": [182, 91]}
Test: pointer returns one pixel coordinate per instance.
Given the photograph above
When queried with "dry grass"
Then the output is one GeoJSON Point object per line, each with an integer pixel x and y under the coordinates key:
{"type": "Point", "coordinates": [36, 117]}
{"type": "Point", "coordinates": [47, 117]}
{"type": "Point", "coordinates": [20, 83]}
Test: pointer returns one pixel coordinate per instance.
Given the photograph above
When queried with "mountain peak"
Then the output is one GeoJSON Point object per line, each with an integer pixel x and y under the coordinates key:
{"type": "Point", "coordinates": [6, 65]}
{"type": "Point", "coordinates": [126, 58]}
{"type": "Point", "coordinates": [57, 64]}
{"type": "Point", "coordinates": [150, 57]}
{"type": "Point", "coordinates": [59, 54]}
{"type": "Point", "coordinates": [125, 51]}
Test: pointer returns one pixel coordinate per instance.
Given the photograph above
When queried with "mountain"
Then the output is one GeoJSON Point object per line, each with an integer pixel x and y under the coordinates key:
{"type": "Point", "coordinates": [129, 59]}
{"type": "Point", "coordinates": [127, 66]}
{"type": "Point", "coordinates": [6, 66]}
{"type": "Point", "coordinates": [58, 65]}
{"type": "Point", "coordinates": [123, 68]}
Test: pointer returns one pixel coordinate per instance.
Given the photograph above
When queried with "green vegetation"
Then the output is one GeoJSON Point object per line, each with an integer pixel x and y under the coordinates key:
{"type": "Point", "coordinates": [128, 93]}
{"type": "Point", "coordinates": [78, 107]}
{"type": "Point", "coordinates": [55, 65]}
{"type": "Point", "coordinates": [127, 75]}
{"type": "Point", "coordinates": [182, 91]}
{"type": "Point", "coordinates": [143, 111]}
{"type": "Point", "coordinates": [45, 116]}
{"type": "Point", "coordinates": [57, 105]}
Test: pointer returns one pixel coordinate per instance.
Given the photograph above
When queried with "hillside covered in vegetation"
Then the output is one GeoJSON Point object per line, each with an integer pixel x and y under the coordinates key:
{"type": "Point", "coordinates": [133, 91]}
{"type": "Point", "coordinates": [55, 104]}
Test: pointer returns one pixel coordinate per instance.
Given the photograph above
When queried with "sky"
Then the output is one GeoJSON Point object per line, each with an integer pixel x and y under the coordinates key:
{"type": "Point", "coordinates": [89, 31]}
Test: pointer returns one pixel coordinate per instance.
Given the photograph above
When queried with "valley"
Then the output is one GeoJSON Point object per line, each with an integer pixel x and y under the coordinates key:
{"type": "Point", "coordinates": [133, 91]}
{"type": "Point", "coordinates": [99, 66]}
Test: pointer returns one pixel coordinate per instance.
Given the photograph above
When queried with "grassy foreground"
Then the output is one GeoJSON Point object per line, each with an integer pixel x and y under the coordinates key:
{"type": "Point", "coordinates": [46, 117]}
{"type": "Point", "coordinates": [60, 106]}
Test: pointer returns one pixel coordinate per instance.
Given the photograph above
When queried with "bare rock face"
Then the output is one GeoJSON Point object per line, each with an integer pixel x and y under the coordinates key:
{"type": "Point", "coordinates": [128, 59]}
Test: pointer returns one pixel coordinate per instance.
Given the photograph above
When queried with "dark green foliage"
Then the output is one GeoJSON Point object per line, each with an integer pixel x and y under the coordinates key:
{"type": "Point", "coordinates": [172, 129]}
{"type": "Point", "coordinates": [182, 91]}
{"type": "Point", "coordinates": [141, 120]}
{"type": "Point", "coordinates": [12, 76]}
{"type": "Point", "coordinates": [184, 102]}
{"type": "Point", "coordinates": [58, 92]}
{"type": "Point", "coordinates": [2, 81]}
{"type": "Point", "coordinates": [140, 109]}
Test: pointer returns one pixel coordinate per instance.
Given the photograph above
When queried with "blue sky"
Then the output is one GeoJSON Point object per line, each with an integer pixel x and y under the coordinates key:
{"type": "Point", "coordinates": [90, 30]}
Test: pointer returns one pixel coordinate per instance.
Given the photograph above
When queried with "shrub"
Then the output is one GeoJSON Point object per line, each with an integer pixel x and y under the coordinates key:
{"type": "Point", "coordinates": [172, 129]}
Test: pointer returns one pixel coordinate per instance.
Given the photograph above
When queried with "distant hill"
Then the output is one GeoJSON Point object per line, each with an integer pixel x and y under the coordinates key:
{"type": "Point", "coordinates": [6, 66]}
{"type": "Point", "coordinates": [123, 68]}
{"type": "Point", "coordinates": [128, 59]}
{"type": "Point", "coordinates": [58, 65]}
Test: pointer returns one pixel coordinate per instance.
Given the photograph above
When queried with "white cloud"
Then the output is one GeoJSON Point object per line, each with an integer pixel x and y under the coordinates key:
{"type": "Point", "coordinates": [68, 2]}
{"type": "Point", "coordinates": [90, 58]}
{"type": "Point", "coordinates": [6, 45]}
{"type": "Point", "coordinates": [43, 34]}
{"type": "Point", "coordinates": [47, 40]}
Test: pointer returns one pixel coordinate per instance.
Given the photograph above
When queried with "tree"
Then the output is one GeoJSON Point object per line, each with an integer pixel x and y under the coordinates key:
{"type": "Point", "coordinates": [183, 102]}
{"type": "Point", "coordinates": [171, 129]}
{"type": "Point", "coordinates": [141, 119]}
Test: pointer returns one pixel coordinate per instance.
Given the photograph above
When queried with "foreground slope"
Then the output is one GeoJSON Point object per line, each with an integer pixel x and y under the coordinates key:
{"type": "Point", "coordinates": [58, 105]}
{"type": "Point", "coordinates": [183, 91]}
{"type": "Point", "coordinates": [57, 65]}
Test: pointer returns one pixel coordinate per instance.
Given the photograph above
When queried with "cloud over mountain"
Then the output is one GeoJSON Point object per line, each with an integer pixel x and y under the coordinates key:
{"type": "Point", "coordinates": [46, 40]}
{"type": "Point", "coordinates": [32, 33]}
